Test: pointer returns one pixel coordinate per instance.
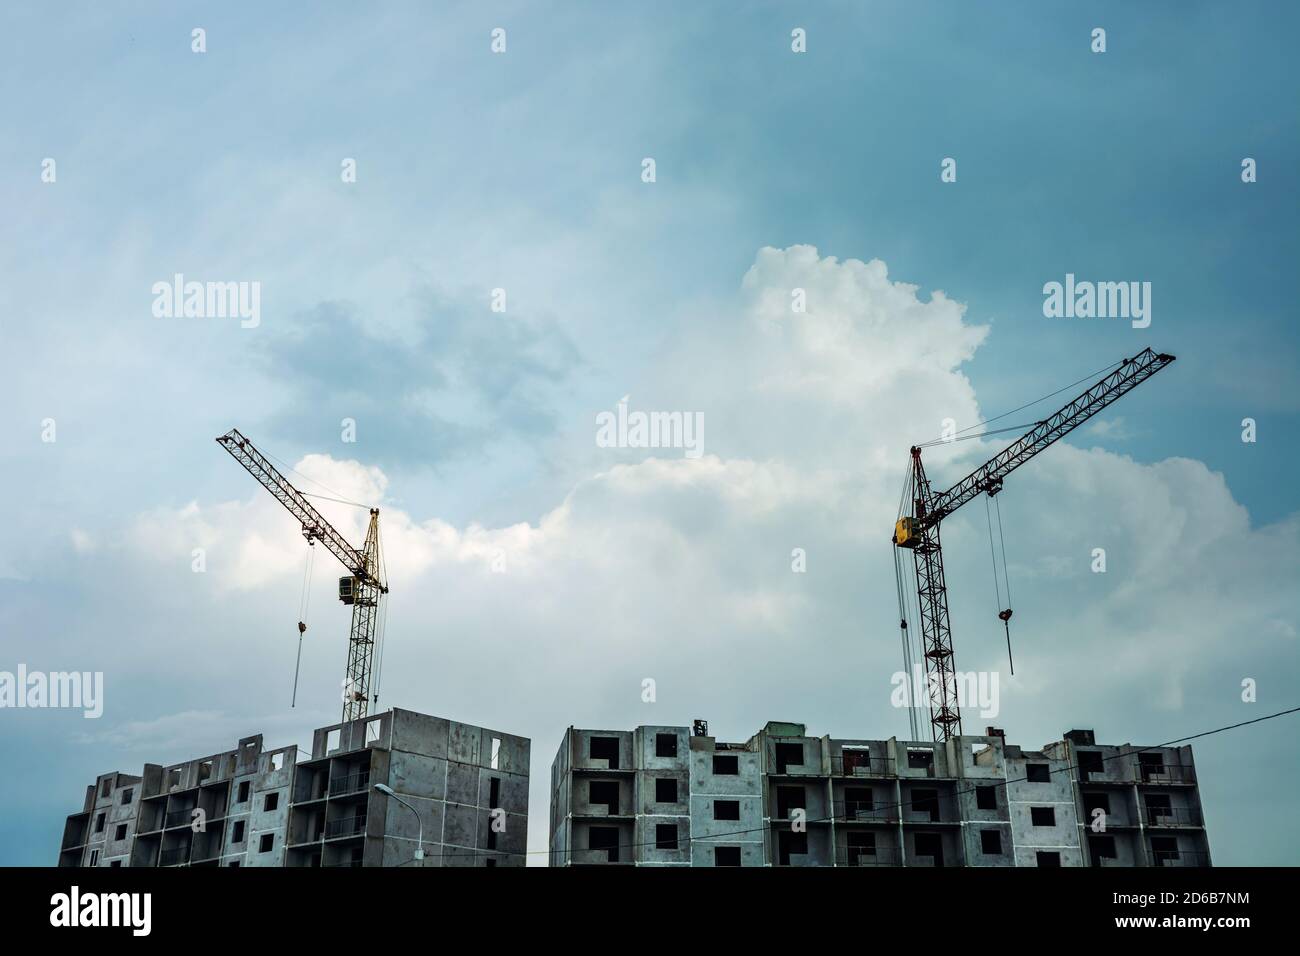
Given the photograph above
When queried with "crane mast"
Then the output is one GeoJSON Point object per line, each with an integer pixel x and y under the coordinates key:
{"type": "Point", "coordinates": [363, 588]}
{"type": "Point", "coordinates": [919, 532]}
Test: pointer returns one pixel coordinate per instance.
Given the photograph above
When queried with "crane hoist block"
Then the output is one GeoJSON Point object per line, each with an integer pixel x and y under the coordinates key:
{"type": "Point", "coordinates": [905, 533]}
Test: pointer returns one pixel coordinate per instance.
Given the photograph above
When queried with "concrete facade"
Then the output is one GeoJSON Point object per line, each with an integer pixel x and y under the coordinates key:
{"type": "Point", "coordinates": [674, 796]}
{"type": "Point", "coordinates": [467, 787]}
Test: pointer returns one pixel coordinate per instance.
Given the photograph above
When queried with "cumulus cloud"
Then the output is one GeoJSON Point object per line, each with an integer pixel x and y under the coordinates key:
{"type": "Point", "coordinates": [680, 570]}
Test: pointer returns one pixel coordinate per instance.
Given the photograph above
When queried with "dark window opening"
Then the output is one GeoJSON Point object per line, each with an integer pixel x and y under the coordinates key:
{"type": "Point", "coordinates": [990, 842]}
{"type": "Point", "coordinates": [665, 836]}
{"type": "Point", "coordinates": [1042, 816]}
{"type": "Point", "coordinates": [860, 845]}
{"type": "Point", "coordinates": [788, 755]}
{"type": "Point", "coordinates": [920, 759]}
{"type": "Point", "coordinates": [1102, 847]}
{"type": "Point", "coordinates": [489, 862]}
{"type": "Point", "coordinates": [1152, 765]}
{"type": "Point", "coordinates": [265, 843]}
{"type": "Point", "coordinates": [99, 823]}
{"type": "Point", "coordinates": [604, 793]}
{"type": "Point", "coordinates": [1045, 858]}
{"type": "Point", "coordinates": [127, 794]}
{"type": "Point", "coordinates": [237, 834]}
{"type": "Point", "coordinates": [605, 748]}
{"type": "Point", "coordinates": [271, 802]}
{"type": "Point", "coordinates": [1090, 762]}
{"type": "Point", "coordinates": [494, 793]}
{"type": "Point", "coordinates": [1158, 805]}
{"type": "Point", "coordinates": [233, 863]}
{"type": "Point", "coordinates": [726, 856]}
{"type": "Point", "coordinates": [666, 790]}
{"type": "Point", "coordinates": [243, 792]}
{"type": "Point", "coordinates": [106, 788]}
{"type": "Point", "coordinates": [120, 832]}
{"type": "Point", "coordinates": [986, 798]}
{"type": "Point", "coordinates": [726, 809]}
{"type": "Point", "coordinates": [855, 757]}
{"type": "Point", "coordinates": [1164, 849]}
{"type": "Point", "coordinates": [1038, 773]}
{"type": "Point", "coordinates": [926, 801]}
{"type": "Point", "coordinates": [858, 801]}
{"type": "Point", "coordinates": [930, 844]}
{"type": "Point", "coordinates": [665, 745]}
{"type": "Point", "coordinates": [604, 838]}
{"type": "Point", "coordinates": [1095, 801]}
{"type": "Point", "coordinates": [726, 765]}
{"type": "Point", "coordinates": [790, 844]}
{"type": "Point", "coordinates": [789, 799]}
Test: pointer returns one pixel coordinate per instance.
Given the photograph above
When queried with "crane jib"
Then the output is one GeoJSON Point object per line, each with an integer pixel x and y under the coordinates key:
{"type": "Point", "coordinates": [1131, 373]}
{"type": "Point", "coordinates": [362, 588]}
{"type": "Point", "coordinates": [919, 531]}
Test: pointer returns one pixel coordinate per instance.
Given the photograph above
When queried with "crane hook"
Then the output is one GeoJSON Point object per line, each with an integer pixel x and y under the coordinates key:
{"type": "Point", "coordinates": [1005, 618]}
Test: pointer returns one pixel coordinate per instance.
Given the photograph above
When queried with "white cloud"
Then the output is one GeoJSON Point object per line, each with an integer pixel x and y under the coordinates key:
{"type": "Point", "coordinates": [680, 570]}
{"type": "Point", "coordinates": [1115, 428]}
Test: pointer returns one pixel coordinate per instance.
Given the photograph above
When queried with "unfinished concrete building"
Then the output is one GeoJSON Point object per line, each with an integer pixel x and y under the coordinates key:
{"type": "Point", "coordinates": [675, 796]}
{"type": "Point", "coordinates": [461, 794]}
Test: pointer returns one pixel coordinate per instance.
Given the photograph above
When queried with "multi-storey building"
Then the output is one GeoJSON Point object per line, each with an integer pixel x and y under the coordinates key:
{"type": "Point", "coordinates": [1137, 806]}
{"type": "Point", "coordinates": [674, 796]}
{"type": "Point", "coordinates": [458, 793]}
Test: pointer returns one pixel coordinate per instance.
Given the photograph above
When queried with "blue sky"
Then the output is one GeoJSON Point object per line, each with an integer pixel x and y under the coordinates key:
{"type": "Point", "coordinates": [522, 171]}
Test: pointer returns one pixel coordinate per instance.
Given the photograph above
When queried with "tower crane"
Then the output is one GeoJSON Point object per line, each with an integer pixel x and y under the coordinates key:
{"type": "Point", "coordinates": [919, 531]}
{"type": "Point", "coordinates": [363, 587]}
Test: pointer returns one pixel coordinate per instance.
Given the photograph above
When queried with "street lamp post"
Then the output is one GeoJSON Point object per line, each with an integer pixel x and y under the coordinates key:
{"type": "Point", "coordinates": [419, 843]}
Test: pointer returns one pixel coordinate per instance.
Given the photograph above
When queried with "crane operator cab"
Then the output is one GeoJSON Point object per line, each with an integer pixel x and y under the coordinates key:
{"type": "Point", "coordinates": [906, 534]}
{"type": "Point", "coordinates": [348, 590]}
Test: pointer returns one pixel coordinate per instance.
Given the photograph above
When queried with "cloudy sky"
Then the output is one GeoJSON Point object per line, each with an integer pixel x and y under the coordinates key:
{"type": "Point", "coordinates": [475, 429]}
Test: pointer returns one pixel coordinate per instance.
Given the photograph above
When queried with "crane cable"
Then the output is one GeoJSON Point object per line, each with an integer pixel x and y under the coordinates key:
{"type": "Point", "coordinates": [905, 641]}
{"type": "Point", "coordinates": [377, 666]}
{"type": "Point", "coordinates": [1006, 578]}
{"type": "Point", "coordinates": [940, 441]}
{"type": "Point", "coordinates": [379, 648]}
{"type": "Point", "coordinates": [304, 602]}
{"type": "Point", "coordinates": [909, 608]}
{"type": "Point", "coordinates": [1004, 613]}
